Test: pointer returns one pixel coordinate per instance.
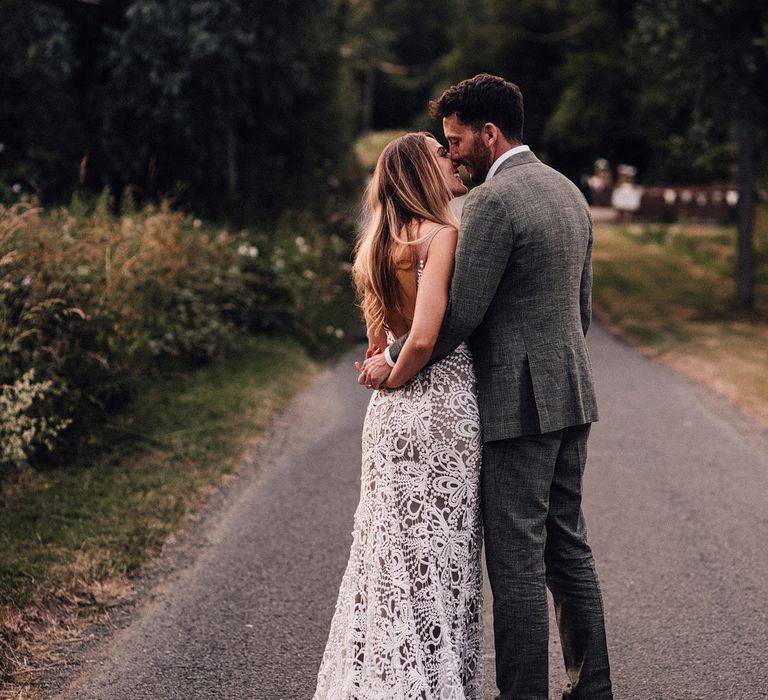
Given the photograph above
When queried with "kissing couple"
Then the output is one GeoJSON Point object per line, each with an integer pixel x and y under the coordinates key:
{"type": "Point", "coordinates": [477, 427]}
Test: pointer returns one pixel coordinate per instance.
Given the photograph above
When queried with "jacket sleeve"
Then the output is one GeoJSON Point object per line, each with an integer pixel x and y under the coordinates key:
{"type": "Point", "coordinates": [585, 292]}
{"type": "Point", "coordinates": [485, 243]}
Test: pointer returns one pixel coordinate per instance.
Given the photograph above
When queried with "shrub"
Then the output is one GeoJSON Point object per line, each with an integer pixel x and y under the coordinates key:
{"type": "Point", "coordinates": [22, 432]}
{"type": "Point", "coordinates": [91, 301]}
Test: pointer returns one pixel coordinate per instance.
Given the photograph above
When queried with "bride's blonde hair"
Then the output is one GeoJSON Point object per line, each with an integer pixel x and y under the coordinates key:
{"type": "Point", "coordinates": [407, 185]}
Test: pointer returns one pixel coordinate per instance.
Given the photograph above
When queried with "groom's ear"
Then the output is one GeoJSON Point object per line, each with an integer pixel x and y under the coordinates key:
{"type": "Point", "coordinates": [490, 134]}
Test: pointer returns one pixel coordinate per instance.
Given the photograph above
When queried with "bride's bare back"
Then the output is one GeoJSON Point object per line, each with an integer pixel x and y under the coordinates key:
{"type": "Point", "coordinates": [410, 261]}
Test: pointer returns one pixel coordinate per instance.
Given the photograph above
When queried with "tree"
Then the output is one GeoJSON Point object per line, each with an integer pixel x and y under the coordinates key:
{"type": "Point", "coordinates": [225, 98]}
{"type": "Point", "coordinates": [711, 56]}
{"type": "Point", "coordinates": [223, 102]}
{"type": "Point", "coordinates": [520, 41]}
{"type": "Point", "coordinates": [596, 112]}
{"type": "Point", "coordinates": [41, 135]}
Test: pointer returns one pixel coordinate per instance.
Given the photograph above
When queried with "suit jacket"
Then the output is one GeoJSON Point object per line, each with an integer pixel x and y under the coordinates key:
{"type": "Point", "coordinates": [521, 295]}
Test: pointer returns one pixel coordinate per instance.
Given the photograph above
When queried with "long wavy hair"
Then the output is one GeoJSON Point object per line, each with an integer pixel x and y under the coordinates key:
{"type": "Point", "coordinates": [407, 186]}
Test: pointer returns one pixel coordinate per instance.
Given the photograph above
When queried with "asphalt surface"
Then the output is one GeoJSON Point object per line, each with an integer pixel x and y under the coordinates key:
{"type": "Point", "coordinates": [676, 497]}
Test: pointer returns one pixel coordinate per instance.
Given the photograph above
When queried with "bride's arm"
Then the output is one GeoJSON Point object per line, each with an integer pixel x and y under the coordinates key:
{"type": "Point", "coordinates": [431, 302]}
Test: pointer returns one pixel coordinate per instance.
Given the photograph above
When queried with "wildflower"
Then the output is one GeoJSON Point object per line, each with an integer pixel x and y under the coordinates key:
{"type": "Point", "coordinates": [309, 274]}
{"type": "Point", "coordinates": [20, 432]}
{"type": "Point", "coordinates": [26, 281]}
{"type": "Point", "coordinates": [242, 249]}
{"type": "Point", "coordinates": [279, 263]}
{"type": "Point", "coordinates": [16, 187]}
{"type": "Point", "coordinates": [301, 244]}
{"type": "Point", "coordinates": [253, 251]}
{"type": "Point", "coordinates": [329, 330]}
{"type": "Point", "coordinates": [197, 223]}
{"type": "Point", "coordinates": [339, 333]}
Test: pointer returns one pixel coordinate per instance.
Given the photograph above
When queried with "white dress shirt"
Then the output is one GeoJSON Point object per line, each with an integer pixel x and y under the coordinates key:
{"type": "Point", "coordinates": [503, 157]}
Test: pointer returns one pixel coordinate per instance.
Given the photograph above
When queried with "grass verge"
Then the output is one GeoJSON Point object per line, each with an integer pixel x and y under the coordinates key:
{"type": "Point", "coordinates": [670, 291]}
{"type": "Point", "coordinates": [71, 538]}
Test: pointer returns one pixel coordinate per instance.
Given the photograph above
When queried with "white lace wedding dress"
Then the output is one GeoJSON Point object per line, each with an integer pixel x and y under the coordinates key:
{"type": "Point", "coordinates": [407, 621]}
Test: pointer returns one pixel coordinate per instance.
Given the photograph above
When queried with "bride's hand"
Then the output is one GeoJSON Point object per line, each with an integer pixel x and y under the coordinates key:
{"type": "Point", "coordinates": [374, 371]}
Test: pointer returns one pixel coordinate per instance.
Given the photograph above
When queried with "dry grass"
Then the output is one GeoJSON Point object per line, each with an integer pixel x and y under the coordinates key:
{"type": "Point", "coordinates": [670, 291]}
{"type": "Point", "coordinates": [37, 640]}
{"type": "Point", "coordinates": [73, 539]}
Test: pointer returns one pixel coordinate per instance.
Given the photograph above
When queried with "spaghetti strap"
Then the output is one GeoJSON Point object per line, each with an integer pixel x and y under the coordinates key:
{"type": "Point", "coordinates": [423, 250]}
{"type": "Point", "coordinates": [424, 245]}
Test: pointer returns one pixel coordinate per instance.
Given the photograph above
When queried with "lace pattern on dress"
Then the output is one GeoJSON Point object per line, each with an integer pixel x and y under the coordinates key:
{"type": "Point", "coordinates": [407, 624]}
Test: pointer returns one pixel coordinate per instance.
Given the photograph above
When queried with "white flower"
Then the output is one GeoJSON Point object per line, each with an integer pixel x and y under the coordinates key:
{"type": "Point", "coordinates": [26, 281]}
{"type": "Point", "coordinates": [16, 187]}
{"type": "Point", "coordinates": [309, 274]}
{"type": "Point", "coordinates": [197, 223]}
{"type": "Point", "coordinates": [339, 333]}
{"type": "Point", "coordinates": [20, 433]}
{"type": "Point", "coordinates": [279, 263]}
{"type": "Point", "coordinates": [242, 249]}
{"type": "Point", "coordinates": [253, 251]}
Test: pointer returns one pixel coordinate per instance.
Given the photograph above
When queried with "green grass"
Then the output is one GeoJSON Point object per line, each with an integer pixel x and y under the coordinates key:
{"type": "Point", "coordinates": [671, 291]}
{"type": "Point", "coordinates": [99, 519]}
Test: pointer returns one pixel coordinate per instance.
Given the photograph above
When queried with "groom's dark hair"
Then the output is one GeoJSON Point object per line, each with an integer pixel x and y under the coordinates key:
{"type": "Point", "coordinates": [484, 98]}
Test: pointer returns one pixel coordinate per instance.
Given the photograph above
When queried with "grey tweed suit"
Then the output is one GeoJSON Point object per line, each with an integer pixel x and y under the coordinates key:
{"type": "Point", "coordinates": [521, 295]}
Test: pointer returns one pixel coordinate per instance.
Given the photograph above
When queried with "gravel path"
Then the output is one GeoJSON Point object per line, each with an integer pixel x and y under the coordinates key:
{"type": "Point", "coordinates": [676, 496]}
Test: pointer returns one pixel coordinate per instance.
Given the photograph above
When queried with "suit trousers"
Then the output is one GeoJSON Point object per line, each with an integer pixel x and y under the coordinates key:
{"type": "Point", "coordinates": [535, 537]}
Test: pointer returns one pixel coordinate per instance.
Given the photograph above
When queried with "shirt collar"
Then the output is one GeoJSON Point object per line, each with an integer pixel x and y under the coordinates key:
{"type": "Point", "coordinates": [503, 157]}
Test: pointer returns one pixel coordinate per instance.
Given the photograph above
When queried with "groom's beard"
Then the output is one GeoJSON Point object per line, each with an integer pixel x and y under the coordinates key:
{"type": "Point", "coordinates": [479, 160]}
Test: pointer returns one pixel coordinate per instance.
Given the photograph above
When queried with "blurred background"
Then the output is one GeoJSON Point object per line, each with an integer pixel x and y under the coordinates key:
{"type": "Point", "coordinates": [179, 185]}
{"type": "Point", "coordinates": [244, 104]}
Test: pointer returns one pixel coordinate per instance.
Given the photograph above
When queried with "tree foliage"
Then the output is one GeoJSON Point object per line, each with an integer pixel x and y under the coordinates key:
{"type": "Point", "coordinates": [228, 102]}
{"type": "Point", "coordinates": [41, 136]}
{"type": "Point", "coordinates": [218, 101]}
{"type": "Point", "coordinates": [706, 67]}
{"type": "Point", "coordinates": [710, 59]}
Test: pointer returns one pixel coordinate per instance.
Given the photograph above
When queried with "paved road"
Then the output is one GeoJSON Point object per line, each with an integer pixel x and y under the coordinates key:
{"type": "Point", "coordinates": [676, 496]}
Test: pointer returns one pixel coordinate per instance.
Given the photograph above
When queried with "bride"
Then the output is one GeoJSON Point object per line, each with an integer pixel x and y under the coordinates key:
{"type": "Point", "coordinates": [407, 619]}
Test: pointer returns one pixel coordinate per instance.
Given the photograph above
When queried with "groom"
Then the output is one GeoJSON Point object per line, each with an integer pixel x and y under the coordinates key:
{"type": "Point", "coordinates": [521, 294]}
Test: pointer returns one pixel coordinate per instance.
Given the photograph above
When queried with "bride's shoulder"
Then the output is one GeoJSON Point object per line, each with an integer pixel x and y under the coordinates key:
{"type": "Point", "coordinates": [444, 233]}
{"type": "Point", "coordinates": [434, 229]}
{"type": "Point", "coordinates": [440, 242]}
